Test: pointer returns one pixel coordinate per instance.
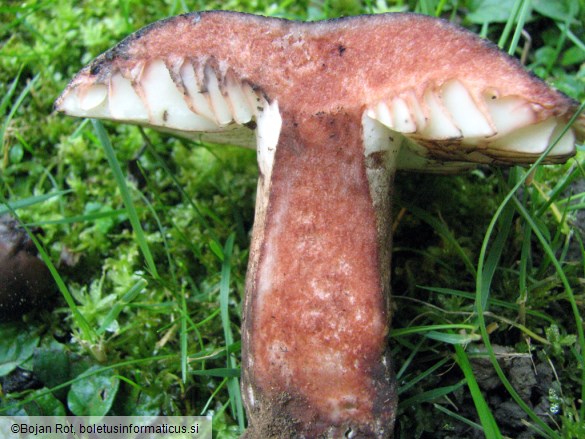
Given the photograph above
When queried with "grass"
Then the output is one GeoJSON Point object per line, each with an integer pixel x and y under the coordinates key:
{"type": "Point", "coordinates": [147, 238]}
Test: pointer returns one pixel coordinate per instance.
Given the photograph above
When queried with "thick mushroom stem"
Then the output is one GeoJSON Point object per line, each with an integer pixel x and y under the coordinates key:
{"type": "Point", "coordinates": [316, 318]}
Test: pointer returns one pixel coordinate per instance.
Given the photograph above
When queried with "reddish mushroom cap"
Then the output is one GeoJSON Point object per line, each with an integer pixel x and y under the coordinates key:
{"type": "Point", "coordinates": [456, 98]}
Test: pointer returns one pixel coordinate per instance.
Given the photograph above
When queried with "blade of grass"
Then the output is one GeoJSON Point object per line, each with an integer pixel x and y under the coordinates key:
{"type": "Point", "coordinates": [14, 107]}
{"type": "Point", "coordinates": [442, 230]}
{"type": "Point", "coordinates": [408, 361]}
{"type": "Point", "coordinates": [568, 290]}
{"type": "Point", "coordinates": [425, 7]}
{"type": "Point", "coordinates": [561, 185]}
{"type": "Point", "coordinates": [430, 395]}
{"type": "Point", "coordinates": [457, 417]}
{"type": "Point", "coordinates": [225, 372]}
{"type": "Point", "coordinates": [128, 297]}
{"type": "Point", "coordinates": [421, 376]}
{"type": "Point", "coordinates": [178, 185]}
{"type": "Point", "coordinates": [455, 339]}
{"type": "Point", "coordinates": [184, 319]}
{"type": "Point", "coordinates": [7, 96]}
{"type": "Point", "coordinates": [183, 337]}
{"type": "Point", "coordinates": [422, 329]}
{"type": "Point", "coordinates": [86, 330]}
{"type": "Point", "coordinates": [213, 395]}
{"type": "Point", "coordinates": [509, 24]}
{"type": "Point", "coordinates": [495, 253]}
{"type": "Point", "coordinates": [78, 218]}
{"type": "Point", "coordinates": [522, 17]}
{"type": "Point", "coordinates": [201, 356]}
{"type": "Point", "coordinates": [574, 38]}
{"type": "Point", "coordinates": [490, 427]}
{"type": "Point", "coordinates": [233, 383]}
{"type": "Point", "coordinates": [439, 8]}
{"type": "Point", "coordinates": [126, 197]}
{"type": "Point", "coordinates": [480, 287]}
{"type": "Point", "coordinates": [491, 302]}
{"type": "Point", "coordinates": [29, 201]}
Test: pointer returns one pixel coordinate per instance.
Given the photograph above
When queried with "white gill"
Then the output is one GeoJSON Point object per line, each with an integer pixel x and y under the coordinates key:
{"type": "Point", "coordinates": [198, 101]}
{"type": "Point", "coordinates": [464, 112]}
{"type": "Point", "coordinates": [440, 125]}
{"type": "Point", "coordinates": [503, 126]}
{"type": "Point", "coordinates": [181, 97]}
{"type": "Point", "coordinates": [93, 97]}
{"type": "Point", "coordinates": [402, 120]}
{"type": "Point", "coordinates": [123, 102]}
{"type": "Point", "coordinates": [537, 137]}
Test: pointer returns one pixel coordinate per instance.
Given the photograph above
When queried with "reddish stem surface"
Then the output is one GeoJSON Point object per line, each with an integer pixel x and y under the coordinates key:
{"type": "Point", "coordinates": [316, 319]}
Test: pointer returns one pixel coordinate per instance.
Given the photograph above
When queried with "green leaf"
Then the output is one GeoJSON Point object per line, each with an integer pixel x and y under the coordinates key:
{"type": "Point", "coordinates": [490, 11]}
{"type": "Point", "coordinates": [572, 56]}
{"type": "Point", "coordinates": [45, 404]}
{"type": "Point", "coordinates": [52, 367]}
{"type": "Point", "coordinates": [145, 402]}
{"type": "Point", "coordinates": [94, 395]}
{"type": "Point", "coordinates": [560, 10]}
{"type": "Point", "coordinates": [17, 344]}
{"type": "Point", "coordinates": [16, 153]}
{"type": "Point", "coordinates": [216, 249]}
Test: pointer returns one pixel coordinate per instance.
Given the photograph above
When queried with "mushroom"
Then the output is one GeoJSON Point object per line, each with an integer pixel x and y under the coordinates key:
{"type": "Point", "coordinates": [25, 281]}
{"type": "Point", "coordinates": [333, 109]}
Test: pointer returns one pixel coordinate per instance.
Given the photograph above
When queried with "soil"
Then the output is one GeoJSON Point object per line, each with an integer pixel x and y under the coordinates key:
{"type": "Point", "coordinates": [531, 378]}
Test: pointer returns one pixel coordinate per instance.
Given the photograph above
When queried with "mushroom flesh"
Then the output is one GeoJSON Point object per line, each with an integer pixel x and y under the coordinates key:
{"type": "Point", "coordinates": [333, 109]}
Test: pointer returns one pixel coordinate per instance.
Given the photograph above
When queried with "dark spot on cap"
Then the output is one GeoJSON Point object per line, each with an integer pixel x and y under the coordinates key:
{"type": "Point", "coordinates": [96, 67]}
{"type": "Point", "coordinates": [341, 49]}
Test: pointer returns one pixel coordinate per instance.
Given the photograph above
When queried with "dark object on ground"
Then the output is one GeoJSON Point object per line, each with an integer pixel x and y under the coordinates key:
{"type": "Point", "coordinates": [20, 380]}
{"type": "Point", "coordinates": [25, 281]}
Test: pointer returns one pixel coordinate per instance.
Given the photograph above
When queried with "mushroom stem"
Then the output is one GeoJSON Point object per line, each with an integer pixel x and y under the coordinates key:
{"type": "Point", "coordinates": [316, 317]}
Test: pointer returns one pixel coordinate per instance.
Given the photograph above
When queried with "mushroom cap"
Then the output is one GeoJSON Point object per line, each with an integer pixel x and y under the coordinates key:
{"type": "Point", "coordinates": [456, 98]}
{"type": "Point", "coordinates": [25, 281]}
